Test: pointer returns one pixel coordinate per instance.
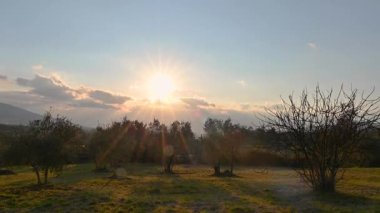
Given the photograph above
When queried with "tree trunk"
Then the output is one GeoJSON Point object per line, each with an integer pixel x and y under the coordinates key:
{"type": "Point", "coordinates": [217, 168]}
{"type": "Point", "coordinates": [232, 167]}
{"type": "Point", "coordinates": [169, 165]}
{"type": "Point", "coordinates": [327, 186]}
{"type": "Point", "coordinates": [325, 182]}
{"type": "Point", "coordinates": [232, 164]}
{"type": "Point", "coordinates": [35, 168]}
{"type": "Point", "coordinates": [46, 175]}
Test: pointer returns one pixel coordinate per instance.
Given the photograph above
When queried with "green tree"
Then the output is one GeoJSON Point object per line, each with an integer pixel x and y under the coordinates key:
{"type": "Point", "coordinates": [222, 142]}
{"type": "Point", "coordinates": [45, 145]}
{"type": "Point", "coordinates": [113, 146]}
{"type": "Point", "coordinates": [178, 141]}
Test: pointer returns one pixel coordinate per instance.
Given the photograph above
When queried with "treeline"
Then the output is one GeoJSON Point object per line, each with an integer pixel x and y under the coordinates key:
{"type": "Point", "coordinates": [52, 142]}
{"type": "Point", "coordinates": [319, 135]}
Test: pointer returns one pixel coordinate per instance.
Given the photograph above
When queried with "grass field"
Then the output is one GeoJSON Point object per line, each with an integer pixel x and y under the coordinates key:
{"type": "Point", "coordinates": [192, 189]}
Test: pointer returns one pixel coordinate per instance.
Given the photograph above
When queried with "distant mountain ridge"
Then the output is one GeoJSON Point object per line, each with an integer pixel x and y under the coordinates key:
{"type": "Point", "coordinates": [12, 115]}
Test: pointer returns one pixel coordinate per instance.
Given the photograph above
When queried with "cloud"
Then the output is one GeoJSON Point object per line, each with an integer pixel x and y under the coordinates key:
{"type": "Point", "coordinates": [196, 102]}
{"type": "Point", "coordinates": [56, 90]}
{"type": "Point", "coordinates": [37, 67]}
{"type": "Point", "coordinates": [242, 83]}
{"type": "Point", "coordinates": [245, 106]}
{"type": "Point", "coordinates": [47, 87]}
{"type": "Point", "coordinates": [92, 106]}
{"type": "Point", "coordinates": [312, 45]}
{"type": "Point", "coordinates": [108, 97]}
{"type": "Point", "coordinates": [3, 77]}
{"type": "Point", "coordinates": [90, 113]}
{"type": "Point", "coordinates": [88, 103]}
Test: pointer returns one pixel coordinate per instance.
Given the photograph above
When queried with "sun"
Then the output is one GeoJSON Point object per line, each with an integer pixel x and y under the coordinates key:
{"type": "Point", "coordinates": [161, 87]}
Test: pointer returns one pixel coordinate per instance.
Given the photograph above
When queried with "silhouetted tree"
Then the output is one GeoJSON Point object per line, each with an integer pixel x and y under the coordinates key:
{"type": "Point", "coordinates": [371, 152]}
{"type": "Point", "coordinates": [324, 133]}
{"type": "Point", "coordinates": [214, 134]}
{"type": "Point", "coordinates": [139, 145]}
{"type": "Point", "coordinates": [98, 145]}
{"type": "Point", "coordinates": [114, 145]}
{"type": "Point", "coordinates": [4, 144]}
{"type": "Point", "coordinates": [222, 141]}
{"type": "Point", "coordinates": [156, 142]}
{"type": "Point", "coordinates": [8, 134]}
{"type": "Point", "coordinates": [45, 145]}
{"type": "Point", "coordinates": [177, 143]}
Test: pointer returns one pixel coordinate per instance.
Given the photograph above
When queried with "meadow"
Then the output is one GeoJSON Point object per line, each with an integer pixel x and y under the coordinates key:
{"type": "Point", "coordinates": [192, 189]}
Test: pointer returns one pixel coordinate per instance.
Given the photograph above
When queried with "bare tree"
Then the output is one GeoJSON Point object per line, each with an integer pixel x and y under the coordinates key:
{"type": "Point", "coordinates": [324, 133]}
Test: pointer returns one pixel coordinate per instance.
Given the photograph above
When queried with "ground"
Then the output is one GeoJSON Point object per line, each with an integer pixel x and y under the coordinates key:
{"type": "Point", "coordinates": [191, 189]}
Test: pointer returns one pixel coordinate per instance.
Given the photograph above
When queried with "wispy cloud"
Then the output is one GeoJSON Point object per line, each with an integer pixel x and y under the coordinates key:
{"type": "Point", "coordinates": [55, 89]}
{"type": "Point", "coordinates": [3, 77]}
{"type": "Point", "coordinates": [245, 106]}
{"type": "Point", "coordinates": [312, 45]}
{"type": "Point", "coordinates": [108, 97]}
{"type": "Point", "coordinates": [37, 67]}
{"type": "Point", "coordinates": [242, 83]}
{"type": "Point", "coordinates": [196, 102]}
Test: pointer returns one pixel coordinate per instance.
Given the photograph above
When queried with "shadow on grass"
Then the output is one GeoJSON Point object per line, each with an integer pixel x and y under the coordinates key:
{"type": "Point", "coordinates": [225, 175]}
{"type": "Point", "coordinates": [340, 200]}
{"type": "Point", "coordinates": [50, 198]}
{"type": "Point", "coordinates": [329, 202]}
{"type": "Point", "coordinates": [171, 192]}
{"type": "Point", "coordinates": [77, 173]}
{"type": "Point", "coordinates": [7, 172]}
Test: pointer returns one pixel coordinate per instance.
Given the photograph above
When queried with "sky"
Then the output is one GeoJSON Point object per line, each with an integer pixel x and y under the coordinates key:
{"type": "Point", "coordinates": [97, 61]}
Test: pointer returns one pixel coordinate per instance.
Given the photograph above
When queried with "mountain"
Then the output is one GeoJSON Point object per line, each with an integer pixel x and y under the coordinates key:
{"type": "Point", "coordinates": [12, 115]}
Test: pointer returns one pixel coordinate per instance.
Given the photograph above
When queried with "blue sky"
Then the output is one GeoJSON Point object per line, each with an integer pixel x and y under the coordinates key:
{"type": "Point", "coordinates": [226, 53]}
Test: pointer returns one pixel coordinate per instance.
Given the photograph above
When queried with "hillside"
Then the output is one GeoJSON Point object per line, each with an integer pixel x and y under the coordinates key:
{"type": "Point", "coordinates": [12, 115]}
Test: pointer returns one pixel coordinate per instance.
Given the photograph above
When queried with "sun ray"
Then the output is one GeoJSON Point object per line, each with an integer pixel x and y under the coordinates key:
{"type": "Point", "coordinates": [114, 143]}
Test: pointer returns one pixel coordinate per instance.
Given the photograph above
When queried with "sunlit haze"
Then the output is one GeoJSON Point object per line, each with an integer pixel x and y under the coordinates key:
{"type": "Point", "coordinates": [97, 61]}
{"type": "Point", "coordinates": [161, 87]}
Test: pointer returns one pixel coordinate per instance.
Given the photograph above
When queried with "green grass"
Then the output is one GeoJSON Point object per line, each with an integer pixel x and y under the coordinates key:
{"type": "Point", "coordinates": [192, 189]}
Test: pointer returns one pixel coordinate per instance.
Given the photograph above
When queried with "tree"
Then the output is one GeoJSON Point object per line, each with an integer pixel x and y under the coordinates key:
{"type": "Point", "coordinates": [212, 128]}
{"type": "Point", "coordinates": [45, 145]}
{"type": "Point", "coordinates": [154, 150]}
{"type": "Point", "coordinates": [233, 138]}
{"type": "Point", "coordinates": [177, 143]}
{"type": "Point", "coordinates": [324, 133]}
{"type": "Point", "coordinates": [114, 145]}
{"type": "Point", "coordinates": [4, 144]}
{"type": "Point", "coordinates": [8, 134]}
{"type": "Point", "coordinates": [222, 141]}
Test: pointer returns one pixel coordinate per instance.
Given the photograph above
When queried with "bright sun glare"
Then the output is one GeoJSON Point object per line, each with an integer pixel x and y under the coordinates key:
{"type": "Point", "coordinates": [161, 87]}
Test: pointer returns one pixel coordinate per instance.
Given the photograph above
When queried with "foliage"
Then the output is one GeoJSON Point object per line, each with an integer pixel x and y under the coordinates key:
{"type": "Point", "coordinates": [117, 144]}
{"type": "Point", "coordinates": [222, 141]}
{"type": "Point", "coordinates": [134, 141]}
{"type": "Point", "coordinates": [180, 139]}
{"type": "Point", "coordinates": [45, 146]}
{"type": "Point", "coordinates": [8, 133]}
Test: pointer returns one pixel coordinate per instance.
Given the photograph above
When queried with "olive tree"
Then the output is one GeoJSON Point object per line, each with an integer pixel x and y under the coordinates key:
{"type": "Point", "coordinates": [114, 145]}
{"type": "Point", "coordinates": [44, 145]}
{"type": "Point", "coordinates": [324, 131]}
